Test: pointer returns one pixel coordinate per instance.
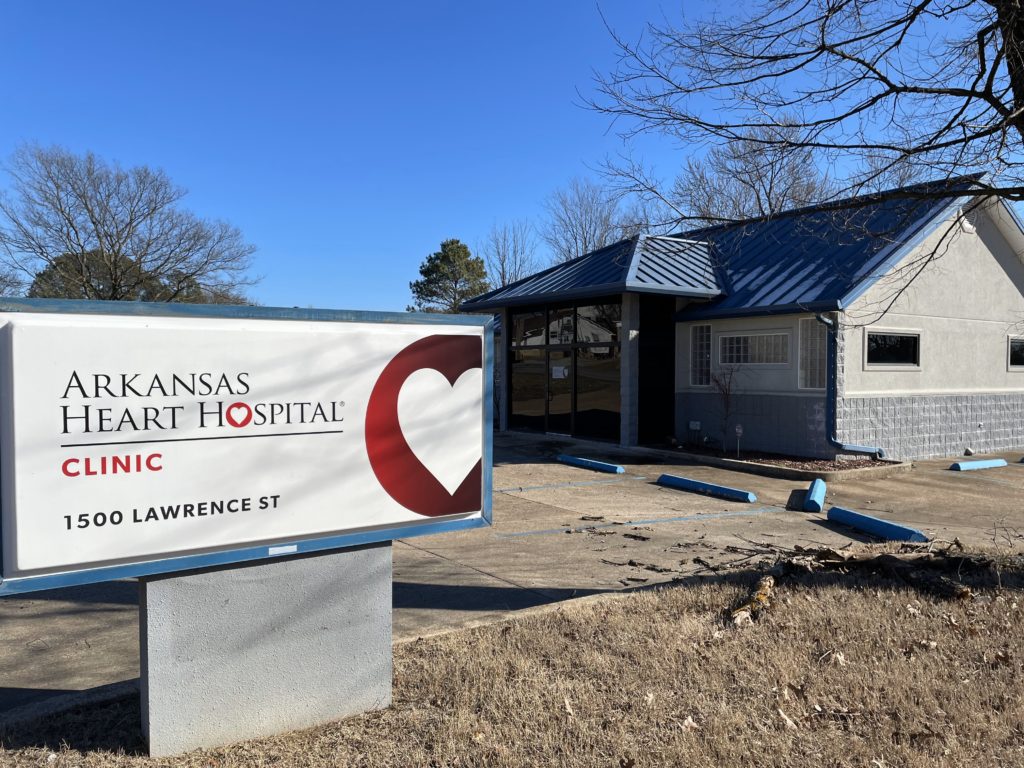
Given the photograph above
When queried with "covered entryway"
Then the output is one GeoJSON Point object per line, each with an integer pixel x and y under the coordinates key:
{"type": "Point", "coordinates": [588, 346]}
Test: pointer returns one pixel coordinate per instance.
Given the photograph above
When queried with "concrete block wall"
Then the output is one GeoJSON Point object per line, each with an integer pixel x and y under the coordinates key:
{"type": "Point", "coordinates": [920, 426]}
{"type": "Point", "coordinates": [793, 425]}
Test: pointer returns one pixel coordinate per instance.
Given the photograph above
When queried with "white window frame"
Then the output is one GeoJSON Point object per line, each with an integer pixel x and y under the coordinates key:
{"type": "Point", "coordinates": [800, 355]}
{"type": "Point", "coordinates": [894, 366]}
{"type": "Point", "coordinates": [760, 366]}
{"type": "Point", "coordinates": [711, 355]}
{"type": "Point", "coordinates": [1009, 343]}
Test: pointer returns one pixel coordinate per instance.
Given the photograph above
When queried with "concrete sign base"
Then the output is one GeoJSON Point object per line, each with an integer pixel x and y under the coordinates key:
{"type": "Point", "coordinates": [241, 652]}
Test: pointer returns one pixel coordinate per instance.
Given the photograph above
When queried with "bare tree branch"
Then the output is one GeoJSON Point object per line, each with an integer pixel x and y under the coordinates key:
{"type": "Point", "coordinates": [76, 226]}
{"type": "Point", "coordinates": [879, 89]}
{"type": "Point", "coordinates": [509, 252]}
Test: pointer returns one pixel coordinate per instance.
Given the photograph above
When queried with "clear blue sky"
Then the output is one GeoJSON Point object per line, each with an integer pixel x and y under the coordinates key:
{"type": "Point", "coordinates": [345, 140]}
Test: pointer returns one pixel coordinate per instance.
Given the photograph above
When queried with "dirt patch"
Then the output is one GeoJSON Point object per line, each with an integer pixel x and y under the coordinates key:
{"type": "Point", "coordinates": [844, 669]}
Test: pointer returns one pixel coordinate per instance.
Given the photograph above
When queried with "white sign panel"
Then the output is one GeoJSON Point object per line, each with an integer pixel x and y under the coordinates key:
{"type": "Point", "coordinates": [128, 439]}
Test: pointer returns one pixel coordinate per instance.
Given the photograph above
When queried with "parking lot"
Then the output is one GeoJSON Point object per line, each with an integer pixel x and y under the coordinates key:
{"type": "Point", "coordinates": [559, 532]}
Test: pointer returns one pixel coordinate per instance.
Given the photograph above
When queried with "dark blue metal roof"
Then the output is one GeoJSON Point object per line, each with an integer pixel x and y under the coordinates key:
{"type": "Point", "coordinates": [673, 265]}
{"type": "Point", "coordinates": [818, 258]}
{"type": "Point", "coordinates": [644, 264]}
{"type": "Point", "coordinates": [812, 259]}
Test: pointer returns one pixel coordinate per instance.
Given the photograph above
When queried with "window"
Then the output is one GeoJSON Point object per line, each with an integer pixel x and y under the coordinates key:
{"type": "Point", "coordinates": [565, 368]}
{"type": "Point", "coordinates": [527, 329]}
{"type": "Point", "coordinates": [760, 349]}
{"type": "Point", "coordinates": [560, 326]}
{"type": "Point", "coordinates": [1017, 353]}
{"type": "Point", "coordinates": [813, 345]}
{"type": "Point", "coordinates": [894, 349]}
{"type": "Point", "coordinates": [528, 393]}
{"type": "Point", "coordinates": [700, 356]}
{"type": "Point", "coordinates": [598, 400]}
{"type": "Point", "coordinates": [598, 324]}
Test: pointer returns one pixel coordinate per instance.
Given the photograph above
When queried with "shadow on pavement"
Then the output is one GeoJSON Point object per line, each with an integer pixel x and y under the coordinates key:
{"type": "Point", "coordinates": [112, 592]}
{"type": "Point", "coordinates": [847, 531]}
{"type": "Point", "coordinates": [460, 597]}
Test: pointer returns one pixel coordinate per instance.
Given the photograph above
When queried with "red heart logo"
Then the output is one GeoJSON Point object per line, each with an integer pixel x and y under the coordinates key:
{"type": "Point", "coordinates": [400, 472]}
{"type": "Point", "coordinates": [244, 414]}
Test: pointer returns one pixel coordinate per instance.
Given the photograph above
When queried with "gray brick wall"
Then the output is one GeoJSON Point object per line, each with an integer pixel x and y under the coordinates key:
{"type": "Point", "coordinates": [919, 426]}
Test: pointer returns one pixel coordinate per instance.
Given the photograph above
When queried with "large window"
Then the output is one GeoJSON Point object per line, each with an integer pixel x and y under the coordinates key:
{"type": "Point", "coordinates": [813, 345]}
{"type": "Point", "coordinates": [700, 356]}
{"type": "Point", "coordinates": [529, 394]}
{"type": "Point", "coordinates": [565, 369]}
{"type": "Point", "coordinates": [893, 349]}
{"type": "Point", "coordinates": [759, 349]}
{"type": "Point", "coordinates": [1016, 353]}
{"type": "Point", "coordinates": [597, 391]}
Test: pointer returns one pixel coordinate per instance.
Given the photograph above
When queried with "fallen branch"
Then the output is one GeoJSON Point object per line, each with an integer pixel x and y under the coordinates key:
{"type": "Point", "coordinates": [757, 603]}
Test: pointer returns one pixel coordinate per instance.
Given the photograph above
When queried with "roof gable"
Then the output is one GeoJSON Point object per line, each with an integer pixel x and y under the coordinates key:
{"type": "Point", "coordinates": [644, 264]}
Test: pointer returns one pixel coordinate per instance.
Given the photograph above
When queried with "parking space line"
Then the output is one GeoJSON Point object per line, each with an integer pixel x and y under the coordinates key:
{"type": "Point", "coordinates": [682, 519]}
{"type": "Point", "coordinates": [575, 484]}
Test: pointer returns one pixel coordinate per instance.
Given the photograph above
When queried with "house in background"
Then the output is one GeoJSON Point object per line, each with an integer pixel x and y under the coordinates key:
{"type": "Point", "coordinates": [820, 332]}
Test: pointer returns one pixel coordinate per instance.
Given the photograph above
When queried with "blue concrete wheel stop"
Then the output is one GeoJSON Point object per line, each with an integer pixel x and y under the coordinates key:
{"type": "Point", "coordinates": [708, 489]}
{"type": "Point", "coordinates": [883, 529]}
{"type": "Point", "coordinates": [964, 466]}
{"type": "Point", "coordinates": [600, 466]}
{"type": "Point", "coordinates": [814, 501]}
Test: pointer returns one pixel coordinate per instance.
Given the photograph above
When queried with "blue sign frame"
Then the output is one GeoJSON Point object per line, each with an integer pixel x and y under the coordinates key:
{"type": "Point", "coordinates": [285, 547]}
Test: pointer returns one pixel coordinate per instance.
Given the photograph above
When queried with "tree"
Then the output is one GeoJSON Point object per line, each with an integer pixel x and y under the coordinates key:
{"type": "Point", "coordinates": [11, 283]}
{"type": "Point", "coordinates": [509, 253]}
{"type": "Point", "coordinates": [878, 88]}
{"type": "Point", "coordinates": [77, 226]}
{"type": "Point", "coordinates": [60, 280]}
{"type": "Point", "coordinates": [746, 179]}
{"type": "Point", "coordinates": [584, 216]}
{"type": "Point", "coordinates": [447, 278]}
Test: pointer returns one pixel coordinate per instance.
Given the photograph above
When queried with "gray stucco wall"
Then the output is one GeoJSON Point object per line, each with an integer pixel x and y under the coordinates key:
{"type": "Point", "coordinates": [787, 424]}
{"type": "Point", "coordinates": [919, 426]}
{"type": "Point", "coordinates": [964, 306]}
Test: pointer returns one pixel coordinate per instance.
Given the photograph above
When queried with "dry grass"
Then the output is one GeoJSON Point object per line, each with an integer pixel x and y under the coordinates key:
{"type": "Point", "coordinates": [845, 670]}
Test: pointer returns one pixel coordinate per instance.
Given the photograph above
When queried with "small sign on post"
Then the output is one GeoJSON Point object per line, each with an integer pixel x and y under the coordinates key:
{"type": "Point", "coordinates": [739, 434]}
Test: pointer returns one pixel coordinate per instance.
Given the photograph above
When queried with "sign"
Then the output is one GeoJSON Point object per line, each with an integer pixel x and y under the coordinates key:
{"type": "Point", "coordinates": [739, 430]}
{"type": "Point", "coordinates": [135, 444]}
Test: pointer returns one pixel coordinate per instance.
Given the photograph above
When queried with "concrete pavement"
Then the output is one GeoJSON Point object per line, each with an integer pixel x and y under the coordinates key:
{"type": "Point", "coordinates": [559, 532]}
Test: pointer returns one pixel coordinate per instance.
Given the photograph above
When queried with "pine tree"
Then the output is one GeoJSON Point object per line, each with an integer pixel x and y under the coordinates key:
{"type": "Point", "coordinates": [447, 278]}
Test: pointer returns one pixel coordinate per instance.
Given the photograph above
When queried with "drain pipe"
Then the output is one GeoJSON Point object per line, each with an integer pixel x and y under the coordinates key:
{"type": "Point", "coordinates": [832, 394]}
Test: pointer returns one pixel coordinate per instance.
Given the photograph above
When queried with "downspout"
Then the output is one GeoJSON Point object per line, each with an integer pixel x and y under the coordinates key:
{"type": "Point", "coordinates": [832, 394]}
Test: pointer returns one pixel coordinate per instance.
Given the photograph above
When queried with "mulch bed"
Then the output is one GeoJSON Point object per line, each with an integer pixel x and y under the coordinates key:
{"type": "Point", "coordinates": [791, 462]}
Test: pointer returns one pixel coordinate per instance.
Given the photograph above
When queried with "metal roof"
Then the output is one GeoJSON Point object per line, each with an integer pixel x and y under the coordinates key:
{"type": "Point", "coordinates": [819, 258]}
{"type": "Point", "coordinates": [643, 264]}
{"type": "Point", "coordinates": [812, 259]}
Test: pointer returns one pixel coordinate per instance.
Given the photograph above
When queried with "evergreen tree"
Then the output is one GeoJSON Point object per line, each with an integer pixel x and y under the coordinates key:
{"type": "Point", "coordinates": [447, 278]}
